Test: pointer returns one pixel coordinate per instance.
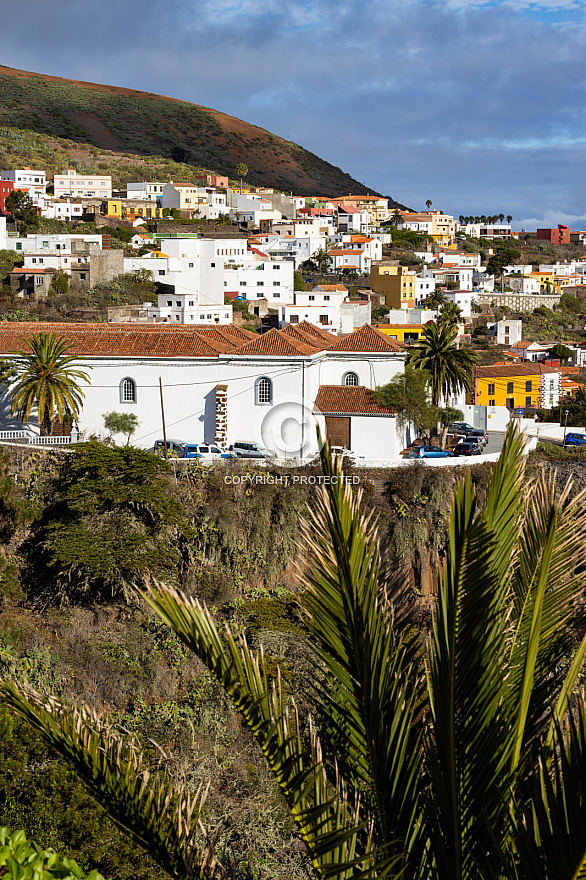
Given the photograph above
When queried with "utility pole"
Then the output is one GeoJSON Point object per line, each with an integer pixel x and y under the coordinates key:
{"type": "Point", "coordinates": [163, 417]}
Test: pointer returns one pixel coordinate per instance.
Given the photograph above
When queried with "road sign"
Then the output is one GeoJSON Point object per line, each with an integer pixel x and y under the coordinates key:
{"type": "Point", "coordinates": [519, 412]}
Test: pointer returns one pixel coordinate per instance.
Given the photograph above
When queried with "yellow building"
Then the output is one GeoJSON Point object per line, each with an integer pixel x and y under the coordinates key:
{"type": "Point", "coordinates": [396, 283]}
{"type": "Point", "coordinates": [516, 386]}
{"type": "Point", "coordinates": [402, 332]}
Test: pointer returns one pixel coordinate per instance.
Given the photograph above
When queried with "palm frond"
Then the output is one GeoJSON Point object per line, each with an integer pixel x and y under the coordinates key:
{"type": "Point", "coordinates": [546, 585]}
{"type": "Point", "coordinates": [551, 831]}
{"type": "Point", "coordinates": [469, 740]}
{"type": "Point", "coordinates": [339, 842]}
{"type": "Point", "coordinates": [367, 685]}
{"type": "Point", "coordinates": [143, 801]}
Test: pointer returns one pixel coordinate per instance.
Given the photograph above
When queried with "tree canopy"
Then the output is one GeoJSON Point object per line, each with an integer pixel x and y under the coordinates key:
{"type": "Point", "coordinates": [449, 368]}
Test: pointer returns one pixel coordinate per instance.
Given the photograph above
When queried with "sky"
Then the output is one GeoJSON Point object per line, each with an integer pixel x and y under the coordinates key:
{"type": "Point", "coordinates": [477, 105]}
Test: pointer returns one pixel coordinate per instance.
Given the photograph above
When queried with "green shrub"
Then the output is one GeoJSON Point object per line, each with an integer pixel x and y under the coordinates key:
{"type": "Point", "coordinates": [20, 859]}
{"type": "Point", "coordinates": [111, 520]}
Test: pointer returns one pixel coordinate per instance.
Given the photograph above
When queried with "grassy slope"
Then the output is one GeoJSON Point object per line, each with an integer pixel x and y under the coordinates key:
{"type": "Point", "coordinates": [141, 122]}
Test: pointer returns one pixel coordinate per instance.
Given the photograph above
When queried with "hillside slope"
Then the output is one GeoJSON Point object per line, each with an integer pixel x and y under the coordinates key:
{"type": "Point", "coordinates": [127, 120]}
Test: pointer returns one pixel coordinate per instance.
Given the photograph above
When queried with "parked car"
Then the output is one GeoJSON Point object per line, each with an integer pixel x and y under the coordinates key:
{"type": "Point", "coordinates": [247, 449]}
{"type": "Point", "coordinates": [461, 428]}
{"type": "Point", "coordinates": [429, 452]}
{"type": "Point", "coordinates": [341, 450]}
{"type": "Point", "coordinates": [575, 439]}
{"type": "Point", "coordinates": [175, 448]}
{"type": "Point", "coordinates": [468, 447]}
{"type": "Point", "coordinates": [206, 452]}
{"type": "Point", "coordinates": [477, 436]}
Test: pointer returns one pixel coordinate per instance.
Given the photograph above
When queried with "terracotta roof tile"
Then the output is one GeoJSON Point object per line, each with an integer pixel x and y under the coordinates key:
{"type": "Point", "coordinates": [117, 340]}
{"type": "Point", "coordinates": [317, 332]}
{"type": "Point", "coordinates": [348, 400]}
{"type": "Point", "coordinates": [293, 331]}
{"type": "Point", "coordinates": [276, 343]}
{"type": "Point", "coordinates": [366, 338]}
{"type": "Point", "coordinates": [522, 369]}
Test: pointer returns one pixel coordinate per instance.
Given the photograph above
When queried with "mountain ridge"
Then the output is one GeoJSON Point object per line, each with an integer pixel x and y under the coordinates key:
{"type": "Point", "coordinates": [132, 120]}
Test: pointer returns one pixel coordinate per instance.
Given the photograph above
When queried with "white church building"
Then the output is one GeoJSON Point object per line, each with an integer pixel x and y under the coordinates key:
{"type": "Point", "coordinates": [224, 384]}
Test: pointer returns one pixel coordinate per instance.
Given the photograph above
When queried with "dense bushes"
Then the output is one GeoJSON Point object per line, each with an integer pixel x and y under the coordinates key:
{"type": "Point", "coordinates": [111, 520]}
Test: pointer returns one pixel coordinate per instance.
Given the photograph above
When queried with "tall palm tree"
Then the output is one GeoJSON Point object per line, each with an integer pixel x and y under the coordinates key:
{"type": "Point", "coordinates": [47, 377]}
{"type": "Point", "coordinates": [450, 368]}
{"type": "Point", "coordinates": [509, 218]}
{"type": "Point", "coordinates": [241, 171]}
{"type": "Point", "coordinates": [448, 758]}
{"type": "Point", "coordinates": [428, 204]}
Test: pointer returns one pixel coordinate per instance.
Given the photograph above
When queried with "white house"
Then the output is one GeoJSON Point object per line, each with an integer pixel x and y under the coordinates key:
{"type": "Point", "coordinates": [506, 332]}
{"type": "Point", "coordinates": [227, 385]}
{"type": "Point", "coordinates": [33, 180]}
{"type": "Point", "coordinates": [255, 276]}
{"type": "Point", "coordinates": [195, 272]}
{"type": "Point", "coordinates": [352, 219]}
{"type": "Point", "coordinates": [85, 186]}
{"type": "Point", "coordinates": [51, 243]}
{"type": "Point", "coordinates": [523, 284]}
{"type": "Point", "coordinates": [297, 250]}
{"type": "Point", "coordinates": [60, 209]}
{"type": "Point", "coordinates": [146, 190]}
{"type": "Point", "coordinates": [327, 306]}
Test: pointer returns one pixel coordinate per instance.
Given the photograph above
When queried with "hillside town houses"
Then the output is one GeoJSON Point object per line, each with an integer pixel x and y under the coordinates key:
{"type": "Point", "coordinates": [317, 364]}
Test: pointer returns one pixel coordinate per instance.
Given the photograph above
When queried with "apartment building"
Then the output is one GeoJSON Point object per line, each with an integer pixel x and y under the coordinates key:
{"type": "Point", "coordinates": [84, 186]}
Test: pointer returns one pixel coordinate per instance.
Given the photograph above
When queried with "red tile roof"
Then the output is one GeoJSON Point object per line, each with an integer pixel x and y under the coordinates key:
{"type": "Point", "coordinates": [366, 339]}
{"type": "Point", "coordinates": [293, 331]}
{"type": "Point", "coordinates": [348, 400]}
{"type": "Point", "coordinates": [276, 343]}
{"type": "Point", "coordinates": [522, 369]}
{"type": "Point", "coordinates": [112, 340]}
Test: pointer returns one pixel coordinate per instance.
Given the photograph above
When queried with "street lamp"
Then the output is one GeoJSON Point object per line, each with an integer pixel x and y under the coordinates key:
{"type": "Point", "coordinates": [567, 412]}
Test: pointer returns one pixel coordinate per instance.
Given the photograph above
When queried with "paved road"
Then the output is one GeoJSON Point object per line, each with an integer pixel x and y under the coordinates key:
{"type": "Point", "coordinates": [495, 441]}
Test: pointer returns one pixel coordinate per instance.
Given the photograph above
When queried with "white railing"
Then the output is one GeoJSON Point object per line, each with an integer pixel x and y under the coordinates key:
{"type": "Point", "coordinates": [15, 435]}
{"type": "Point", "coordinates": [36, 440]}
{"type": "Point", "coordinates": [50, 441]}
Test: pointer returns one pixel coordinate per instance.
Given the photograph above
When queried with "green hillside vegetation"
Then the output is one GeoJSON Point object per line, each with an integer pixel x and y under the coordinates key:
{"type": "Point", "coordinates": [76, 529]}
{"type": "Point", "coordinates": [25, 147]}
{"type": "Point", "coordinates": [130, 121]}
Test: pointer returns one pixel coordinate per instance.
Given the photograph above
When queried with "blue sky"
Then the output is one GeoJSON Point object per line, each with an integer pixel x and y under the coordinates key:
{"type": "Point", "coordinates": [478, 106]}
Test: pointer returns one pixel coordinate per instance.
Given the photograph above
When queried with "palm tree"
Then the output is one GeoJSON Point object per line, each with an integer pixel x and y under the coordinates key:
{"type": "Point", "coordinates": [452, 757]}
{"type": "Point", "coordinates": [47, 377]}
{"type": "Point", "coordinates": [436, 300]}
{"type": "Point", "coordinates": [396, 218]}
{"type": "Point", "coordinates": [509, 219]}
{"type": "Point", "coordinates": [241, 171]}
{"type": "Point", "coordinates": [451, 313]}
{"type": "Point", "coordinates": [501, 218]}
{"type": "Point", "coordinates": [450, 368]}
{"type": "Point", "coordinates": [322, 260]}
{"type": "Point", "coordinates": [428, 204]}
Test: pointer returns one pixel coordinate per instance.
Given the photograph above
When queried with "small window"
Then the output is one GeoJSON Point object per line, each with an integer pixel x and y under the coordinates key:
{"type": "Point", "coordinates": [277, 294]}
{"type": "Point", "coordinates": [128, 391]}
{"type": "Point", "coordinates": [491, 387]}
{"type": "Point", "coordinates": [191, 265]}
{"type": "Point", "coordinates": [276, 283]}
{"type": "Point", "coordinates": [178, 303]}
{"type": "Point", "coordinates": [528, 386]}
{"type": "Point", "coordinates": [82, 276]}
{"type": "Point", "coordinates": [213, 265]}
{"type": "Point", "coordinates": [264, 390]}
{"type": "Point", "coordinates": [350, 379]}
{"type": "Point", "coordinates": [243, 284]}
{"type": "Point", "coordinates": [491, 402]}
{"type": "Point", "coordinates": [326, 298]}
{"type": "Point", "coordinates": [169, 302]}
{"type": "Point", "coordinates": [509, 387]}
{"type": "Point", "coordinates": [294, 319]}
{"type": "Point", "coordinates": [527, 401]}
{"type": "Point", "coordinates": [191, 302]}
{"type": "Point", "coordinates": [311, 297]}
{"type": "Point", "coordinates": [260, 283]}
